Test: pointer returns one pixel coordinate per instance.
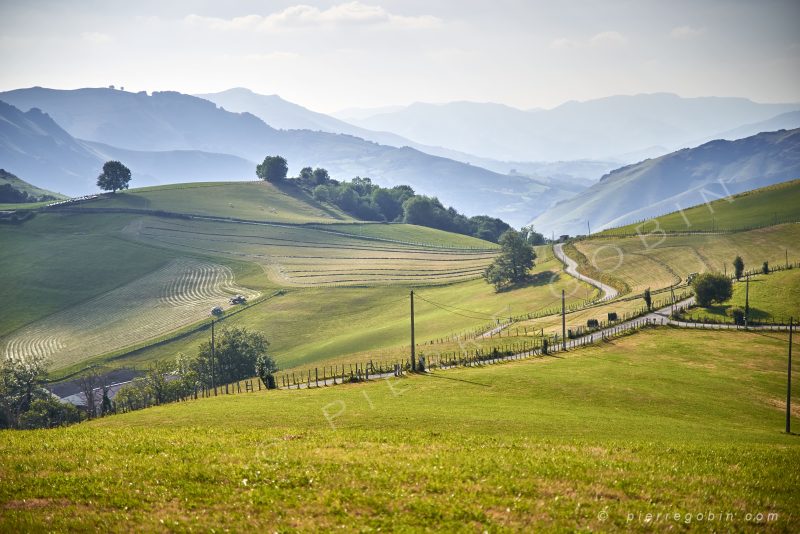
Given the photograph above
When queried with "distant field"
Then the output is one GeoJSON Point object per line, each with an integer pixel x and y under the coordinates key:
{"type": "Point", "coordinates": [766, 206]}
{"type": "Point", "coordinates": [306, 256]}
{"type": "Point", "coordinates": [657, 264]}
{"type": "Point", "coordinates": [410, 233]}
{"type": "Point", "coordinates": [773, 297]}
{"type": "Point", "coordinates": [260, 201]}
{"type": "Point", "coordinates": [592, 440]}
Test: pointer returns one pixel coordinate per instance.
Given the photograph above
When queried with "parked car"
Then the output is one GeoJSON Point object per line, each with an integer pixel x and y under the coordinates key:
{"type": "Point", "coordinates": [238, 299]}
{"type": "Point", "coordinates": [216, 311]}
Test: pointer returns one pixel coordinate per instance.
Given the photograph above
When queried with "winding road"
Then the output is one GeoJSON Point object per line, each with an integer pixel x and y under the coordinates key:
{"type": "Point", "coordinates": [572, 269]}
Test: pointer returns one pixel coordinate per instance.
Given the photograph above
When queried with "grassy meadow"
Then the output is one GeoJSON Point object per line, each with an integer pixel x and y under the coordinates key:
{"type": "Point", "coordinates": [262, 201]}
{"type": "Point", "coordinates": [774, 297]}
{"type": "Point", "coordinates": [660, 261]}
{"type": "Point", "coordinates": [592, 440]}
{"type": "Point", "coordinates": [761, 207]}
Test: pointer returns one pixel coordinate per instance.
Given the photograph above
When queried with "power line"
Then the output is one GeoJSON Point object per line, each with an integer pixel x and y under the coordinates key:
{"type": "Point", "coordinates": [442, 307]}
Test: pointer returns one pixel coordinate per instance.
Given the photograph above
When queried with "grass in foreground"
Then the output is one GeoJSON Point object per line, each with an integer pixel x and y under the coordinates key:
{"type": "Point", "coordinates": [663, 421]}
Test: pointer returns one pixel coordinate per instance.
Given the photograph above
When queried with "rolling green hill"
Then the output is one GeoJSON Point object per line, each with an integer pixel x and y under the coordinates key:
{"type": "Point", "coordinates": [74, 279]}
{"type": "Point", "coordinates": [591, 440]}
{"type": "Point", "coordinates": [261, 201]}
{"type": "Point", "coordinates": [751, 209]}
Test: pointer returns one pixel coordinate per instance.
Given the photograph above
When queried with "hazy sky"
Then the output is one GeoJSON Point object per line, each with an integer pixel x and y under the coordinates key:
{"type": "Point", "coordinates": [332, 55]}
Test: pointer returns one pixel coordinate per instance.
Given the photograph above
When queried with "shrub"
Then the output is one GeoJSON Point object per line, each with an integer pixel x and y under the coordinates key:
{"type": "Point", "coordinates": [737, 314]}
{"type": "Point", "coordinates": [712, 287]}
{"type": "Point", "coordinates": [612, 316]}
{"type": "Point", "coordinates": [592, 323]}
{"type": "Point", "coordinates": [49, 412]}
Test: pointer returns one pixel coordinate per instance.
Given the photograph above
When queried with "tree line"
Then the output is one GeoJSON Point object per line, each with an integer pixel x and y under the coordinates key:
{"type": "Point", "coordinates": [368, 201]}
{"type": "Point", "coordinates": [25, 402]}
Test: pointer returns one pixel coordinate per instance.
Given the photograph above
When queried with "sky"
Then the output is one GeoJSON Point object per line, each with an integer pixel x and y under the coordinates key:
{"type": "Point", "coordinates": [332, 55]}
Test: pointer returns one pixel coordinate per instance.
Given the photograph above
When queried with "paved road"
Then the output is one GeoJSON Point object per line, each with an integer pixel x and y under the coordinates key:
{"type": "Point", "coordinates": [572, 269]}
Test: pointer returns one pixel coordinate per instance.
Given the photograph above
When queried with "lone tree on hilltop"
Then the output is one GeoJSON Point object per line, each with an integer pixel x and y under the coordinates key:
{"type": "Point", "coordinates": [273, 169]}
{"type": "Point", "coordinates": [115, 176]}
{"type": "Point", "coordinates": [515, 260]}
{"type": "Point", "coordinates": [738, 265]}
{"type": "Point", "coordinates": [712, 287]}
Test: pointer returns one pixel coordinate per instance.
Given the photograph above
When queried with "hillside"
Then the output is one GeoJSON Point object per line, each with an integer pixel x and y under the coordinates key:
{"type": "Point", "coordinates": [616, 127]}
{"type": "Point", "coordinates": [170, 121]}
{"type": "Point", "coordinates": [19, 184]}
{"type": "Point", "coordinates": [677, 181]}
{"type": "Point", "coordinates": [34, 146]}
{"type": "Point", "coordinates": [751, 209]}
{"type": "Point", "coordinates": [582, 441]}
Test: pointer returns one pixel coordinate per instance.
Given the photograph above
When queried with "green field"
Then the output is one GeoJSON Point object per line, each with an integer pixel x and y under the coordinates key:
{"type": "Point", "coordinates": [71, 277]}
{"type": "Point", "coordinates": [761, 207]}
{"type": "Point", "coordinates": [773, 298]}
{"type": "Point", "coordinates": [660, 261]}
{"type": "Point", "coordinates": [650, 423]}
{"type": "Point", "coordinates": [260, 201]}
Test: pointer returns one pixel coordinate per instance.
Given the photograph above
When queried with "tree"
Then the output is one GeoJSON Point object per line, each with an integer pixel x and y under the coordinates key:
{"type": "Point", "coordinates": [515, 260]}
{"type": "Point", "coordinates": [306, 176]}
{"type": "Point", "coordinates": [531, 236]}
{"type": "Point", "coordinates": [712, 287]}
{"type": "Point", "coordinates": [765, 267]}
{"type": "Point", "coordinates": [273, 169]}
{"type": "Point", "coordinates": [236, 354]}
{"type": "Point", "coordinates": [648, 298]}
{"type": "Point", "coordinates": [49, 412]}
{"type": "Point", "coordinates": [738, 265]}
{"type": "Point", "coordinates": [321, 176]}
{"type": "Point", "coordinates": [386, 202]}
{"type": "Point", "coordinates": [88, 382]}
{"type": "Point", "coordinates": [115, 176]}
{"type": "Point", "coordinates": [21, 381]}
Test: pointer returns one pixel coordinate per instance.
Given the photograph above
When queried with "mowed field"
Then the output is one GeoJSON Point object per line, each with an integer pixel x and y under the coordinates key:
{"type": "Point", "coordinates": [595, 439]}
{"type": "Point", "coordinates": [312, 256]}
{"type": "Point", "coordinates": [354, 324]}
{"type": "Point", "coordinates": [178, 294]}
{"type": "Point", "coordinates": [659, 261]}
{"type": "Point", "coordinates": [84, 286]}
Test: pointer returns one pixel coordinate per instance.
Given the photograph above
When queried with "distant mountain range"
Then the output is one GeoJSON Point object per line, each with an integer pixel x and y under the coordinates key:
{"type": "Point", "coordinates": [169, 136]}
{"type": "Point", "coordinates": [677, 181]}
{"type": "Point", "coordinates": [619, 128]}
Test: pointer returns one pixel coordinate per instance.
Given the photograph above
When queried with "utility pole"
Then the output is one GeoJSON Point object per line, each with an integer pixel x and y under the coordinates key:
{"type": "Point", "coordinates": [213, 359]}
{"type": "Point", "coordinates": [563, 323]}
{"type": "Point", "coordinates": [747, 301]}
{"type": "Point", "coordinates": [789, 382]}
{"type": "Point", "coordinates": [672, 292]}
{"type": "Point", "coordinates": [413, 343]}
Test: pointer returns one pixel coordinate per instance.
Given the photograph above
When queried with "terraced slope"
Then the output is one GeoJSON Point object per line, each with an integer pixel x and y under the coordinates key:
{"type": "Point", "coordinates": [180, 293]}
